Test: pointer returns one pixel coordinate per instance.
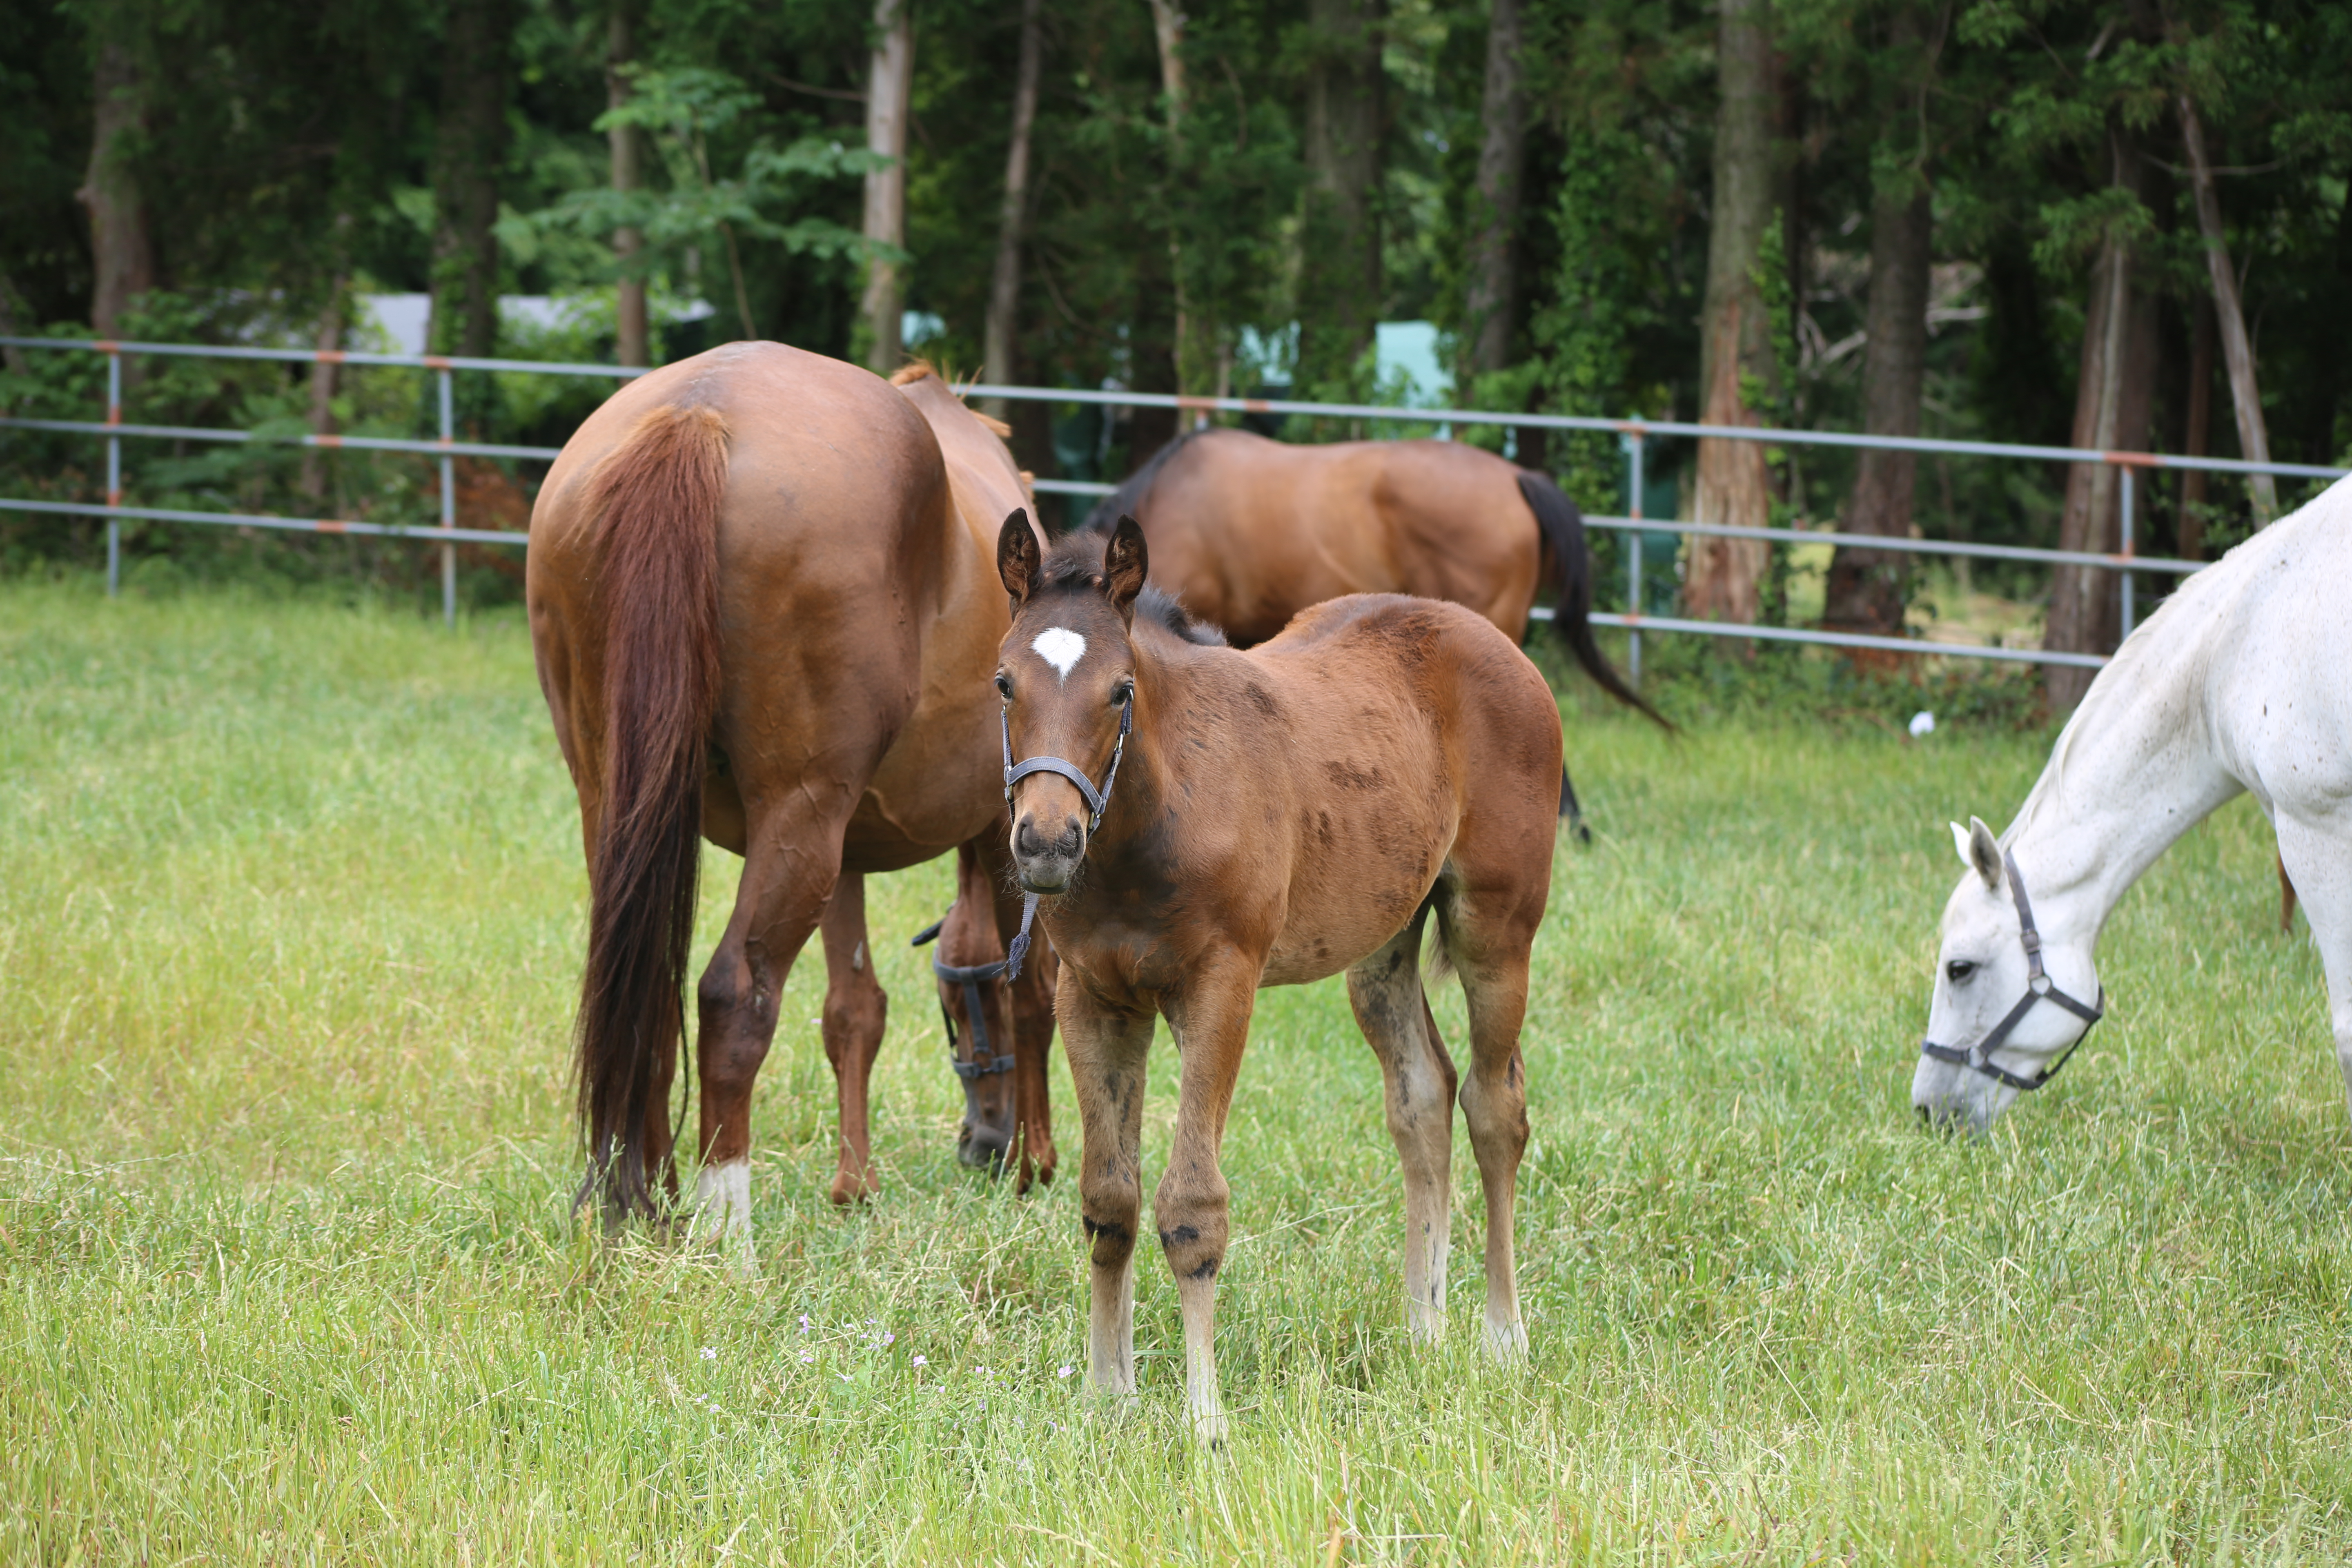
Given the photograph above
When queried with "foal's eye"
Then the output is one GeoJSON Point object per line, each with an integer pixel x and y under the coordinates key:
{"type": "Point", "coordinates": [1958, 970]}
{"type": "Point", "coordinates": [1004, 687]}
{"type": "Point", "coordinates": [1122, 694]}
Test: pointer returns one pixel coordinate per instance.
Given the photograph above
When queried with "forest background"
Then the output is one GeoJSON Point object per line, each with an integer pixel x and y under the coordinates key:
{"type": "Point", "coordinates": [2108, 222]}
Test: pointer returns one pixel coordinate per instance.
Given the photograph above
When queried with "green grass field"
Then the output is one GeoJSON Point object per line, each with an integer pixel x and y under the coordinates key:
{"type": "Point", "coordinates": [291, 909]}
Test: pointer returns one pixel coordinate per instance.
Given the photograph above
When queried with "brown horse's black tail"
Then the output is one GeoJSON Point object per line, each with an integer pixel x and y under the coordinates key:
{"type": "Point", "coordinates": [658, 497]}
{"type": "Point", "coordinates": [1561, 527]}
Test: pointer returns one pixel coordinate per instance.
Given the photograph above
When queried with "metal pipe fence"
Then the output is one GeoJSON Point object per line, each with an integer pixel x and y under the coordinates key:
{"type": "Point", "coordinates": [1636, 434]}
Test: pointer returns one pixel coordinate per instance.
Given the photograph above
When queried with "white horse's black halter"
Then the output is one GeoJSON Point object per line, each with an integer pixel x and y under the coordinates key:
{"type": "Point", "coordinates": [1097, 801]}
{"type": "Point", "coordinates": [2038, 988]}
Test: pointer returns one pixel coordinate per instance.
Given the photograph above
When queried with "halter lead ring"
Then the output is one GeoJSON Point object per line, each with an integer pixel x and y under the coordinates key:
{"type": "Point", "coordinates": [2038, 988]}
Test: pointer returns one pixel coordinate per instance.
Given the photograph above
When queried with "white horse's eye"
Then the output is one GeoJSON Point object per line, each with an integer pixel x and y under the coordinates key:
{"type": "Point", "coordinates": [1958, 970]}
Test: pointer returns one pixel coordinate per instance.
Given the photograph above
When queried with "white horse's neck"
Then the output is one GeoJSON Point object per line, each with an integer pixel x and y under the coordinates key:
{"type": "Point", "coordinates": [2135, 769]}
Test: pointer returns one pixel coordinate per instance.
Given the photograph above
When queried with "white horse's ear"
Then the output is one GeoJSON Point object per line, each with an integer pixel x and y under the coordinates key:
{"type": "Point", "coordinates": [1983, 853]}
{"type": "Point", "coordinates": [1960, 843]}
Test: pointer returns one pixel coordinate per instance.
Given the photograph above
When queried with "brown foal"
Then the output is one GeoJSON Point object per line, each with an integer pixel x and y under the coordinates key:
{"type": "Point", "coordinates": [1204, 822]}
{"type": "Point", "coordinates": [763, 608]}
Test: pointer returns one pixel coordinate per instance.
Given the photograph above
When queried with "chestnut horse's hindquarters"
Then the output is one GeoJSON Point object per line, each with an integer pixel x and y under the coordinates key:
{"type": "Point", "coordinates": [657, 498]}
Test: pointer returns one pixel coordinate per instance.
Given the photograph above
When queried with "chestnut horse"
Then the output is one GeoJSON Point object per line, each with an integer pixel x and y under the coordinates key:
{"type": "Point", "coordinates": [1247, 531]}
{"type": "Point", "coordinates": [1270, 818]}
{"type": "Point", "coordinates": [761, 604]}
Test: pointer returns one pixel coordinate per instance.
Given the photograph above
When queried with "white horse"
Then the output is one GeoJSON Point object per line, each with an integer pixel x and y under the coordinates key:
{"type": "Point", "coordinates": [2243, 681]}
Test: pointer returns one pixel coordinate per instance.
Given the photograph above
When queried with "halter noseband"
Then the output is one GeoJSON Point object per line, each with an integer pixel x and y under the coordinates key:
{"type": "Point", "coordinates": [2038, 988]}
{"type": "Point", "coordinates": [1097, 802]}
{"type": "Point", "coordinates": [985, 1060]}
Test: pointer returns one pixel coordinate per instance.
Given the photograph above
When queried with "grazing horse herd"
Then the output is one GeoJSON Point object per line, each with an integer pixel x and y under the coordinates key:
{"type": "Point", "coordinates": [768, 592]}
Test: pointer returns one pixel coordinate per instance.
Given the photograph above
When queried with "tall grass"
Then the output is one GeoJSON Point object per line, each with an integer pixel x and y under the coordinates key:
{"type": "Point", "coordinates": [290, 909]}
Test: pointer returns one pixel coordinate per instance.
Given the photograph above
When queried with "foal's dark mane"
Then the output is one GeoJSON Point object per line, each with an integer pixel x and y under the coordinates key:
{"type": "Point", "coordinates": [1073, 563]}
{"type": "Point", "coordinates": [1128, 499]}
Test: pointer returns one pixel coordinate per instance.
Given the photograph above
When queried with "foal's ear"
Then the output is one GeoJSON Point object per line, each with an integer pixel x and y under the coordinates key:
{"type": "Point", "coordinates": [1125, 565]}
{"type": "Point", "coordinates": [1017, 559]}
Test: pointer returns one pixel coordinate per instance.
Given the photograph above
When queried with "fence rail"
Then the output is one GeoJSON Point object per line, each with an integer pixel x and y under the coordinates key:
{"type": "Point", "coordinates": [1636, 433]}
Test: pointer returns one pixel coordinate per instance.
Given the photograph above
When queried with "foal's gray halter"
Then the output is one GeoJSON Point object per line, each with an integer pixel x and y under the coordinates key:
{"type": "Point", "coordinates": [2038, 988]}
{"type": "Point", "coordinates": [1097, 802]}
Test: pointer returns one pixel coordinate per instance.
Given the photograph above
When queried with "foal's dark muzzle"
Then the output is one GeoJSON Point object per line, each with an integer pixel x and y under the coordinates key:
{"type": "Point", "coordinates": [1046, 858]}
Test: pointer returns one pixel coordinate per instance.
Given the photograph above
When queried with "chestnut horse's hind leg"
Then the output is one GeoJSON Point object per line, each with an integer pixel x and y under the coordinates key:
{"type": "Point", "coordinates": [854, 1014]}
{"type": "Point", "coordinates": [1392, 1011]}
{"type": "Point", "coordinates": [788, 876]}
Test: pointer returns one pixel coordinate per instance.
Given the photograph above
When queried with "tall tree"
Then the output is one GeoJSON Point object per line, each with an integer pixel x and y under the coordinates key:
{"type": "Point", "coordinates": [2112, 412]}
{"type": "Point", "coordinates": [469, 153]}
{"type": "Point", "coordinates": [1000, 335]}
{"type": "Point", "coordinates": [1490, 308]}
{"type": "Point", "coordinates": [1196, 353]}
{"type": "Point", "coordinates": [1722, 577]}
{"type": "Point", "coordinates": [1866, 588]}
{"type": "Point", "coordinates": [633, 332]}
{"type": "Point", "coordinates": [1340, 273]}
{"type": "Point", "coordinates": [888, 90]}
{"type": "Point", "coordinates": [122, 252]}
{"type": "Point", "coordinates": [2237, 349]}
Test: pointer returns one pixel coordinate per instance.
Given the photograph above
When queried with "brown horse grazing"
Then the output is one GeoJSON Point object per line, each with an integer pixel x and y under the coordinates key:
{"type": "Point", "coordinates": [763, 612]}
{"type": "Point", "coordinates": [1269, 818]}
{"type": "Point", "coordinates": [1247, 531]}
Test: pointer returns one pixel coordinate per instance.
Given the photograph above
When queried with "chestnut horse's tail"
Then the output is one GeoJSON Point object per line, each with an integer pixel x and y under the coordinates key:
{"type": "Point", "coordinates": [656, 498]}
{"type": "Point", "coordinates": [1561, 527]}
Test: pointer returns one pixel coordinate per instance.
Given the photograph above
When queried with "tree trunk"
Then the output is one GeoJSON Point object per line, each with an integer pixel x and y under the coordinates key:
{"type": "Point", "coordinates": [313, 479]}
{"type": "Point", "coordinates": [2112, 408]}
{"type": "Point", "coordinates": [632, 334]}
{"type": "Point", "coordinates": [122, 254]}
{"type": "Point", "coordinates": [2199, 435]}
{"type": "Point", "coordinates": [1340, 281]}
{"type": "Point", "coordinates": [888, 87]}
{"type": "Point", "coordinates": [2237, 349]}
{"type": "Point", "coordinates": [1001, 336]}
{"type": "Point", "coordinates": [1195, 350]}
{"type": "Point", "coordinates": [469, 150]}
{"type": "Point", "coordinates": [1722, 579]}
{"type": "Point", "coordinates": [1867, 588]}
{"type": "Point", "coordinates": [1490, 308]}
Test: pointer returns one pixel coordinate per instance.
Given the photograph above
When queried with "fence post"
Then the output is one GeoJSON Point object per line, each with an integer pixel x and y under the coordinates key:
{"type": "Point", "coordinates": [1634, 556]}
{"type": "Point", "coordinates": [449, 506]}
{"type": "Point", "coordinates": [113, 470]}
{"type": "Point", "coordinates": [2125, 529]}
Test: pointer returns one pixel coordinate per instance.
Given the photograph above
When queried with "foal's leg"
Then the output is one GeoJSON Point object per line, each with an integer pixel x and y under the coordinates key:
{"type": "Point", "coordinates": [1390, 1008]}
{"type": "Point", "coordinates": [1107, 1052]}
{"type": "Point", "coordinates": [1192, 1204]}
{"type": "Point", "coordinates": [1491, 955]}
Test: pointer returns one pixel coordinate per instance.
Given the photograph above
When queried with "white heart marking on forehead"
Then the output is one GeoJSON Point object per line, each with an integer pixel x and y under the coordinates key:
{"type": "Point", "coordinates": [1061, 647]}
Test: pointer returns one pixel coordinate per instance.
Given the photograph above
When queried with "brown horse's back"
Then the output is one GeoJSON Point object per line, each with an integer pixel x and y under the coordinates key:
{"type": "Point", "coordinates": [1248, 532]}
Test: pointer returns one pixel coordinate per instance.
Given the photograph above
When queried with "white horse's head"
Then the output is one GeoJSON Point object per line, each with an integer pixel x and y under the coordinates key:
{"type": "Point", "coordinates": [1987, 976]}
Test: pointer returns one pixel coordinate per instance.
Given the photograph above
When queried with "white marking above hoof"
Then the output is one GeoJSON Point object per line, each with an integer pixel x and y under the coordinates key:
{"type": "Point", "coordinates": [1061, 647]}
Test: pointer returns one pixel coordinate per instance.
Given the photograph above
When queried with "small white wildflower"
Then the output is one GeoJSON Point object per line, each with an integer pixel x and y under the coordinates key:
{"type": "Point", "coordinates": [807, 1360]}
{"type": "Point", "coordinates": [711, 1353]}
{"type": "Point", "coordinates": [842, 1375]}
{"type": "Point", "coordinates": [1063, 1373]}
{"type": "Point", "coordinates": [922, 1361]}
{"type": "Point", "coordinates": [889, 1339]}
{"type": "Point", "coordinates": [804, 1322]}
